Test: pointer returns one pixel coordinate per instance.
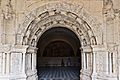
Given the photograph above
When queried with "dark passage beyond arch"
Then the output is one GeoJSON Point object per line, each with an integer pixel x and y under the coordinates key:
{"type": "Point", "coordinates": [58, 54]}
{"type": "Point", "coordinates": [58, 48]}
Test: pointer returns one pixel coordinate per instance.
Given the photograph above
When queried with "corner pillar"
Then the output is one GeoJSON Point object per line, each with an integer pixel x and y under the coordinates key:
{"type": "Point", "coordinates": [86, 63]}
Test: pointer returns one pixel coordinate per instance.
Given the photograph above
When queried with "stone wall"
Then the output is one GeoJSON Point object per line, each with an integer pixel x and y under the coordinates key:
{"type": "Point", "coordinates": [102, 24]}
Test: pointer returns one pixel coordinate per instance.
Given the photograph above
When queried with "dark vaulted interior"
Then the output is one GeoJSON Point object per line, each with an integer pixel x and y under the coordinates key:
{"type": "Point", "coordinates": [59, 55]}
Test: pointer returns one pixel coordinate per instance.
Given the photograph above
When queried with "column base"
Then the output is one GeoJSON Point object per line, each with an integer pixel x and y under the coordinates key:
{"type": "Point", "coordinates": [103, 77]}
{"type": "Point", "coordinates": [106, 77]}
{"type": "Point", "coordinates": [85, 75]}
{"type": "Point", "coordinates": [13, 77]}
{"type": "Point", "coordinates": [31, 76]}
{"type": "Point", "coordinates": [94, 76]}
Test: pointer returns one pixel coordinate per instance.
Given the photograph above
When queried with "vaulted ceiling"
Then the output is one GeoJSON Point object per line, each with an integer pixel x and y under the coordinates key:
{"type": "Point", "coordinates": [58, 34]}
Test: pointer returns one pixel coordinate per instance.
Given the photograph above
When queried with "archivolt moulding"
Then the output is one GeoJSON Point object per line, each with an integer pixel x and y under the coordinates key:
{"type": "Point", "coordinates": [56, 13]}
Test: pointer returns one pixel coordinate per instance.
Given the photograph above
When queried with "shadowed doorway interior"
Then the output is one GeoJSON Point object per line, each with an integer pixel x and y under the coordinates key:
{"type": "Point", "coordinates": [58, 55]}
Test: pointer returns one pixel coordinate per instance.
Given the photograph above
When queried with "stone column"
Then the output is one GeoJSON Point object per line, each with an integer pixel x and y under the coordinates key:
{"type": "Point", "coordinates": [33, 61]}
{"type": "Point", "coordinates": [84, 57]}
{"type": "Point", "coordinates": [107, 63]}
{"type": "Point", "coordinates": [110, 64]}
{"type": "Point", "coordinates": [23, 63]}
{"type": "Point", "coordinates": [8, 63]}
{"type": "Point", "coordinates": [94, 63]}
{"type": "Point", "coordinates": [3, 66]}
{"type": "Point", "coordinates": [94, 73]}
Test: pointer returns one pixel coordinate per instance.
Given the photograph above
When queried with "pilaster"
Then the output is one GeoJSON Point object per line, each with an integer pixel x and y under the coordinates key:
{"type": "Point", "coordinates": [102, 64]}
{"type": "Point", "coordinates": [86, 63]}
{"type": "Point", "coordinates": [13, 62]}
{"type": "Point", "coordinates": [94, 72]}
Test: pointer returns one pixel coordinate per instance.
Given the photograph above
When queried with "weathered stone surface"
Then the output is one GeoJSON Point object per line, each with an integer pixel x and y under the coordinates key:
{"type": "Point", "coordinates": [95, 22]}
{"type": "Point", "coordinates": [1, 63]}
{"type": "Point", "coordinates": [16, 63]}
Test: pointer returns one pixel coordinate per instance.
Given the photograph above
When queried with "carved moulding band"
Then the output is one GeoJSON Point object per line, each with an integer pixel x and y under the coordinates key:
{"type": "Point", "coordinates": [74, 26]}
{"type": "Point", "coordinates": [57, 7]}
{"type": "Point", "coordinates": [78, 27]}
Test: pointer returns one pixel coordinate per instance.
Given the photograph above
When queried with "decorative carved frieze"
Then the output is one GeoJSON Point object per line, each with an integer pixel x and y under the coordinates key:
{"type": "Point", "coordinates": [58, 10]}
{"type": "Point", "coordinates": [49, 21]}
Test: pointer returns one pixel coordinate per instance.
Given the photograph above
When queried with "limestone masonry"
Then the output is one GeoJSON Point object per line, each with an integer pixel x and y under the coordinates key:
{"type": "Point", "coordinates": [95, 22]}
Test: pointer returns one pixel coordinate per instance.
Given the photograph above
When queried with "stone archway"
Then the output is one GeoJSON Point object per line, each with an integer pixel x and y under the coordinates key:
{"type": "Point", "coordinates": [75, 13]}
{"type": "Point", "coordinates": [73, 17]}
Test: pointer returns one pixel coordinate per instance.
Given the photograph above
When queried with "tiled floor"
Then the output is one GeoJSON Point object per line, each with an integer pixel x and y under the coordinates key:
{"type": "Point", "coordinates": [59, 73]}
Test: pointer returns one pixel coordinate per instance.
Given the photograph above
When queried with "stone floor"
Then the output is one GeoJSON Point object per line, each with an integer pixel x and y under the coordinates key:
{"type": "Point", "coordinates": [58, 73]}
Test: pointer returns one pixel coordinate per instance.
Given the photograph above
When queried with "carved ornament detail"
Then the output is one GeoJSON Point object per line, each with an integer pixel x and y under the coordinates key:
{"type": "Point", "coordinates": [65, 14]}
{"type": "Point", "coordinates": [8, 12]}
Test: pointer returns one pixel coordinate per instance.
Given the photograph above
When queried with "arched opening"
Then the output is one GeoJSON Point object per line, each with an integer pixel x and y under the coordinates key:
{"type": "Point", "coordinates": [76, 28]}
{"type": "Point", "coordinates": [59, 55]}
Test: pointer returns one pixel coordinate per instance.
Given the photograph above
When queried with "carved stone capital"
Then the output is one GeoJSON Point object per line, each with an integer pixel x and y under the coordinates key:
{"type": "Point", "coordinates": [19, 48]}
{"type": "Point", "coordinates": [86, 49]}
{"type": "Point", "coordinates": [32, 50]}
{"type": "Point", "coordinates": [98, 48]}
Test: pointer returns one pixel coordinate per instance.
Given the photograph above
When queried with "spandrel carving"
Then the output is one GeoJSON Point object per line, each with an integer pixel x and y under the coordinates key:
{"type": "Point", "coordinates": [108, 10]}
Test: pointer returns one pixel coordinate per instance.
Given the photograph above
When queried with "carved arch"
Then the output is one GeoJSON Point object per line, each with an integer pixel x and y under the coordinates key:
{"type": "Point", "coordinates": [82, 24]}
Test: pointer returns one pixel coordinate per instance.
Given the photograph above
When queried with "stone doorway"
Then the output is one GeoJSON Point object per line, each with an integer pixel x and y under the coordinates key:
{"type": "Point", "coordinates": [57, 15]}
{"type": "Point", "coordinates": [58, 55]}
